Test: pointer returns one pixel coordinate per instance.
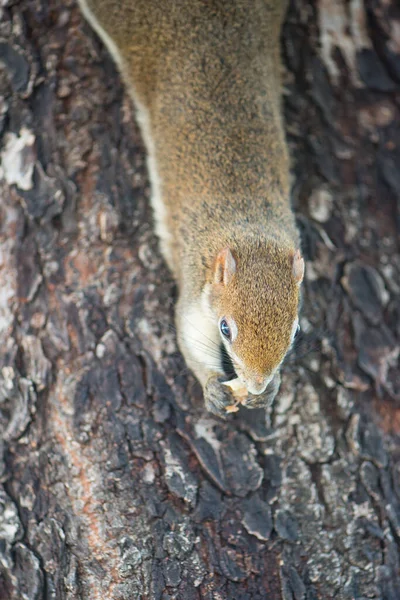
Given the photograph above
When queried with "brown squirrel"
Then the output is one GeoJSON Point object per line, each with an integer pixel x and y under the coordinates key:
{"type": "Point", "coordinates": [205, 79]}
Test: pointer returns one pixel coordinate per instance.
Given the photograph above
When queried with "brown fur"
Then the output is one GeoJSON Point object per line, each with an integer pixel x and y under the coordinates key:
{"type": "Point", "coordinates": [207, 73]}
{"type": "Point", "coordinates": [264, 324]}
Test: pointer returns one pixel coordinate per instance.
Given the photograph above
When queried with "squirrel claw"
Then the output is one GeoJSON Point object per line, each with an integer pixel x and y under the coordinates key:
{"type": "Point", "coordinates": [265, 399]}
{"type": "Point", "coordinates": [221, 402]}
{"type": "Point", "coordinates": [217, 397]}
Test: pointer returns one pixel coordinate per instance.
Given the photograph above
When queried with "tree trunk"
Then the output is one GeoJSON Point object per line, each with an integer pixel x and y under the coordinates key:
{"type": "Point", "coordinates": [115, 482]}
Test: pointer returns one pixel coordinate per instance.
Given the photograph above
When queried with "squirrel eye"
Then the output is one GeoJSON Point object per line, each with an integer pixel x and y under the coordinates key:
{"type": "Point", "coordinates": [225, 329]}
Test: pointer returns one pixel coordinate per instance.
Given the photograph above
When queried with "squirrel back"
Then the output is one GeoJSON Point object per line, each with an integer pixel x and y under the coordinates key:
{"type": "Point", "coordinates": [205, 78]}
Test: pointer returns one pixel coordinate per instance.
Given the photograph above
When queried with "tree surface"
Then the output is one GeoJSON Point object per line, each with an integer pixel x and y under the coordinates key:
{"type": "Point", "coordinates": [115, 482]}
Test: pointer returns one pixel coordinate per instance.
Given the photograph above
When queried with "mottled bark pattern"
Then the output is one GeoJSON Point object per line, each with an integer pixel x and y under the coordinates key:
{"type": "Point", "coordinates": [115, 483]}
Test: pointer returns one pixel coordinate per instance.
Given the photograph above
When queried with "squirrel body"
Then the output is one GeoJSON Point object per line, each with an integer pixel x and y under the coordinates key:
{"type": "Point", "coordinates": [205, 79]}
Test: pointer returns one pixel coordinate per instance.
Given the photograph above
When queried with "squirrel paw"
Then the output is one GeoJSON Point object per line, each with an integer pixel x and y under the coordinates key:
{"type": "Point", "coordinates": [217, 396]}
{"type": "Point", "coordinates": [265, 399]}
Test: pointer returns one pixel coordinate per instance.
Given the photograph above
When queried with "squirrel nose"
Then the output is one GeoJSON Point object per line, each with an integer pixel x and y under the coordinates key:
{"type": "Point", "coordinates": [257, 386]}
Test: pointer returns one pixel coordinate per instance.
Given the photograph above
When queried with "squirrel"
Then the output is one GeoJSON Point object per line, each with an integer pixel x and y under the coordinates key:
{"type": "Point", "coordinates": [204, 76]}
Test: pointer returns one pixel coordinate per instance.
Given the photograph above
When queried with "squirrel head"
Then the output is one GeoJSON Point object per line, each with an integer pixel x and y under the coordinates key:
{"type": "Point", "coordinates": [254, 296]}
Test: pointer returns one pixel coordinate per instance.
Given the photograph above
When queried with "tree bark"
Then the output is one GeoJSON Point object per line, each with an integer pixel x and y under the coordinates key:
{"type": "Point", "coordinates": [115, 482]}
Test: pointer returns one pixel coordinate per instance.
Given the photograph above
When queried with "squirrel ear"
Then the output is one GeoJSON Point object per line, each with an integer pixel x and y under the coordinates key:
{"type": "Point", "coordinates": [225, 267]}
{"type": "Point", "coordinates": [298, 267]}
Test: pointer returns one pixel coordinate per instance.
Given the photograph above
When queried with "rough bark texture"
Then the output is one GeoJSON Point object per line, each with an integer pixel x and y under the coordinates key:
{"type": "Point", "coordinates": [115, 483]}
